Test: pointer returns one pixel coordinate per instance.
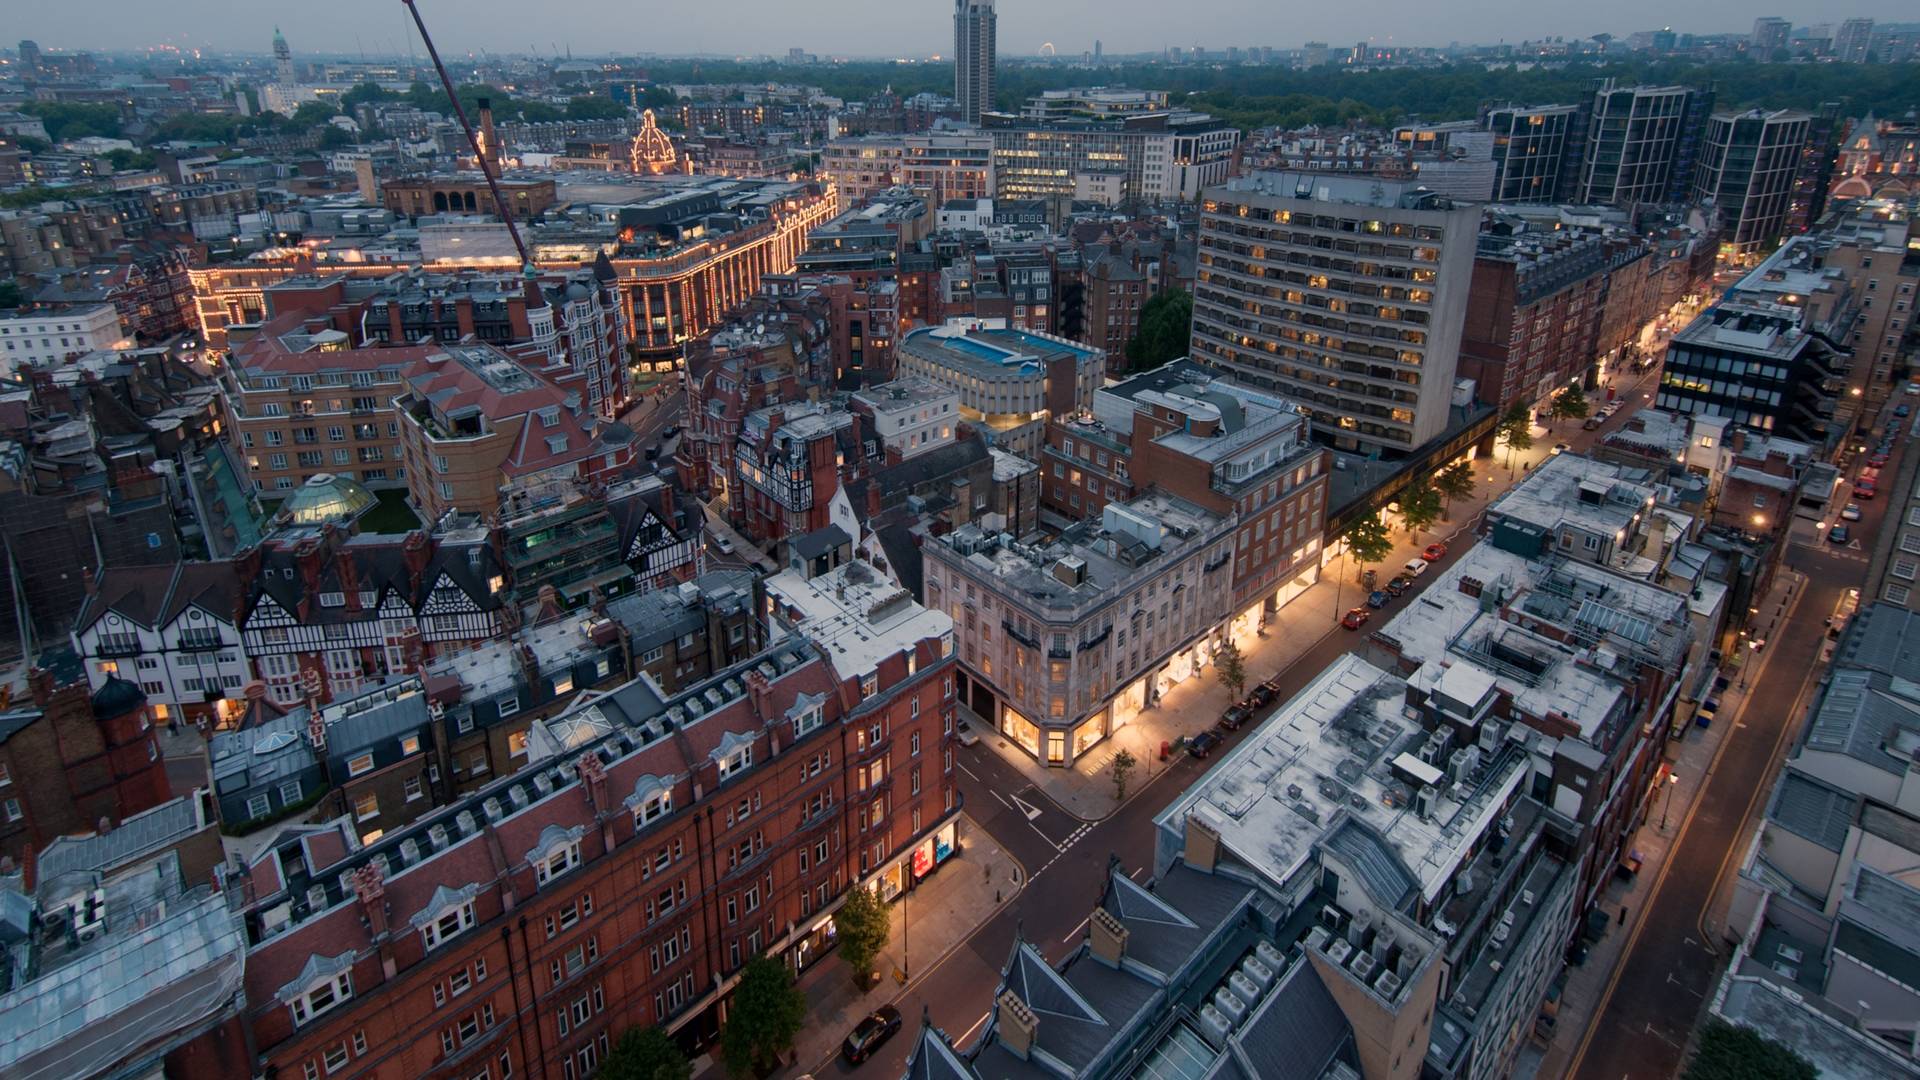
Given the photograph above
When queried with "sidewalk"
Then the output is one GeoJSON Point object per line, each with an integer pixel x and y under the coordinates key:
{"type": "Point", "coordinates": [1086, 790]}
{"type": "Point", "coordinates": [944, 911]}
{"type": "Point", "coordinates": [1691, 761]}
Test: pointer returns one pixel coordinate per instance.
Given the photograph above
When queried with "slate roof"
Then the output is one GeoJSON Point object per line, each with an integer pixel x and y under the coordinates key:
{"type": "Point", "coordinates": [1297, 1032]}
{"type": "Point", "coordinates": [350, 730]}
{"type": "Point", "coordinates": [153, 596]}
{"type": "Point", "coordinates": [1859, 712]}
{"type": "Point", "coordinates": [1168, 926]}
{"type": "Point", "coordinates": [139, 835]}
{"type": "Point", "coordinates": [1812, 809]}
{"type": "Point", "coordinates": [933, 1059]}
{"type": "Point", "coordinates": [1882, 638]}
{"type": "Point", "coordinates": [819, 542]}
{"type": "Point", "coordinates": [1879, 924]}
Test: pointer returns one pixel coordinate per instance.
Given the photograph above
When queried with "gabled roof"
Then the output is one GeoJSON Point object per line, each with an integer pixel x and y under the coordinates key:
{"type": "Point", "coordinates": [933, 1057]}
{"type": "Point", "coordinates": [1812, 809]}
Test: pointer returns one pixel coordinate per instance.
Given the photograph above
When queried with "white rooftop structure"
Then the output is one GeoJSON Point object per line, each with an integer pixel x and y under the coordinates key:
{"type": "Point", "coordinates": [1348, 749]}
{"type": "Point", "coordinates": [855, 615]}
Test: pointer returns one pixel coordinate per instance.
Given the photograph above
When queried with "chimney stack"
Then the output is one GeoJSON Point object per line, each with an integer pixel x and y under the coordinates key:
{"type": "Point", "coordinates": [489, 146]}
{"type": "Point", "coordinates": [1108, 937]}
{"type": "Point", "coordinates": [1017, 1026]}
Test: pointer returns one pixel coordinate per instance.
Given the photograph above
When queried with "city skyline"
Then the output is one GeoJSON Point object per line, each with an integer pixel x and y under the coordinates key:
{"type": "Point", "coordinates": [1070, 26]}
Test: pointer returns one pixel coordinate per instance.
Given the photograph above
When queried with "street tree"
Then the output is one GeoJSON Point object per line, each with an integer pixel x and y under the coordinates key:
{"type": "Point", "coordinates": [1727, 1052]}
{"type": "Point", "coordinates": [1369, 541]}
{"type": "Point", "coordinates": [1420, 505]}
{"type": "Point", "coordinates": [1455, 482]}
{"type": "Point", "coordinates": [862, 924]}
{"type": "Point", "coordinates": [1516, 430]}
{"type": "Point", "coordinates": [1123, 763]}
{"type": "Point", "coordinates": [645, 1053]}
{"type": "Point", "coordinates": [767, 1012]}
{"type": "Point", "coordinates": [1230, 668]}
{"type": "Point", "coordinates": [1570, 404]}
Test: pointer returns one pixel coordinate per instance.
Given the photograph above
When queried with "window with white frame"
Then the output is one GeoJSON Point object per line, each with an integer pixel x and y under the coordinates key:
{"type": "Point", "coordinates": [361, 764]}
{"type": "Point", "coordinates": [290, 792]}
{"type": "Point", "coordinates": [735, 762]}
{"type": "Point", "coordinates": [259, 806]}
{"type": "Point", "coordinates": [448, 924]}
{"type": "Point", "coordinates": [322, 997]}
{"type": "Point", "coordinates": [807, 721]}
{"type": "Point", "coordinates": [654, 807]}
{"type": "Point", "coordinates": [557, 862]}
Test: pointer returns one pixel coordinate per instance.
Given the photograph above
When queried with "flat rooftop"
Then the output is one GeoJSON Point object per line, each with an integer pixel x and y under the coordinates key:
{"type": "Point", "coordinates": [989, 349]}
{"type": "Point", "coordinates": [856, 615]}
{"type": "Point", "coordinates": [1328, 756]}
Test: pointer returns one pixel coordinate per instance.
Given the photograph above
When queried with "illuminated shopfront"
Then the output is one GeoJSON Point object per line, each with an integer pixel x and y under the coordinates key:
{"type": "Point", "coordinates": [1128, 702]}
{"type": "Point", "coordinates": [1021, 730]}
{"type": "Point", "coordinates": [1090, 731]}
{"type": "Point", "coordinates": [917, 862]}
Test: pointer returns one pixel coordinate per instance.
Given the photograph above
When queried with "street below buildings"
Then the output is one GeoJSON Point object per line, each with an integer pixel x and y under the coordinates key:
{"type": "Point", "coordinates": [1677, 947]}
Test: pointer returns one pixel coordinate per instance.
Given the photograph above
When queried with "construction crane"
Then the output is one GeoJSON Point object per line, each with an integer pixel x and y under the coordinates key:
{"type": "Point", "coordinates": [473, 140]}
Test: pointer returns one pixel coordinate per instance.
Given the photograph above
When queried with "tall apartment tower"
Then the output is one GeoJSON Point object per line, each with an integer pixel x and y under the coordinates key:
{"type": "Point", "coordinates": [974, 26]}
{"type": "Point", "coordinates": [1748, 164]}
{"type": "Point", "coordinates": [1853, 41]}
{"type": "Point", "coordinates": [1536, 151]}
{"type": "Point", "coordinates": [1347, 294]}
{"type": "Point", "coordinates": [1641, 143]}
{"type": "Point", "coordinates": [1770, 32]}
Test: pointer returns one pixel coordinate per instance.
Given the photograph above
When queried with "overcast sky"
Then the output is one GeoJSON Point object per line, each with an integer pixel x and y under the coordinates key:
{"type": "Point", "coordinates": [915, 28]}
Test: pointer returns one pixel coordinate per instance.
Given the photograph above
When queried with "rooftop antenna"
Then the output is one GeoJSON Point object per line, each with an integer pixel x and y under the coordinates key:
{"type": "Point", "coordinates": [473, 142]}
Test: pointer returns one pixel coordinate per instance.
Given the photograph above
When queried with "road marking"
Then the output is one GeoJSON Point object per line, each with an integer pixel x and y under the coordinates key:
{"type": "Point", "coordinates": [965, 1035]}
{"type": "Point", "coordinates": [1683, 986]}
{"type": "Point", "coordinates": [1661, 1037]}
{"type": "Point", "coordinates": [1026, 807]}
{"type": "Point", "coordinates": [969, 772]}
{"type": "Point", "coordinates": [1003, 800]}
{"type": "Point", "coordinates": [1075, 932]}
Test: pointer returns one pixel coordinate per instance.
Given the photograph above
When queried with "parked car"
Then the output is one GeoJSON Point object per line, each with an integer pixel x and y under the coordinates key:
{"type": "Point", "coordinates": [1902, 411]}
{"type": "Point", "coordinates": [1878, 460]}
{"type": "Point", "coordinates": [1593, 423]}
{"type": "Point", "coordinates": [1434, 552]}
{"type": "Point", "coordinates": [1864, 490]}
{"type": "Point", "coordinates": [1202, 744]}
{"type": "Point", "coordinates": [1261, 696]}
{"type": "Point", "coordinates": [1400, 583]}
{"type": "Point", "coordinates": [870, 1034]}
{"type": "Point", "coordinates": [964, 734]}
{"type": "Point", "coordinates": [722, 545]}
{"type": "Point", "coordinates": [1413, 568]}
{"type": "Point", "coordinates": [670, 431]}
{"type": "Point", "coordinates": [1356, 618]}
{"type": "Point", "coordinates": [1271, 686]}
{"type": "Point", "coordinates": [1839, 534]}
{"type": "Point", "coordinates": [1851, 512]}
{"type": "Point", "coordinates": [1561, 448]}
{"type": "Point", "coordinates": [1235, 716]}
{"type": "Point", "coordinates": [1913, 388]}
{"type": "Point", "coordinates": [1378, 598]}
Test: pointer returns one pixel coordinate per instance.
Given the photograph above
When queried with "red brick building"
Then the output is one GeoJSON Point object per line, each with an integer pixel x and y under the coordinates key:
{"type": "Point", "coordinates": [623, 878]}
{"type": "Point", "coordinates": [72, 757]}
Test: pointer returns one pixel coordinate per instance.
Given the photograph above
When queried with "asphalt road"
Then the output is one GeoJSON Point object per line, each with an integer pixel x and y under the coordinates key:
{"type": "Point", "coordinates": [1673, 961]}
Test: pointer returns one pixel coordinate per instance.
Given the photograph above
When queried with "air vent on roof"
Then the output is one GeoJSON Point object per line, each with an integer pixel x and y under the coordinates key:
{"type": "Point", "coordinates": [519, 796]}
{"type": "Point", "coordinates": [410, 851]}
{"type": "Point", "coordinates": [464, 819]}
{"type": "Point", "coordinates": [491, 808]}
{"type": "Point", "coordinates": [543, 784]}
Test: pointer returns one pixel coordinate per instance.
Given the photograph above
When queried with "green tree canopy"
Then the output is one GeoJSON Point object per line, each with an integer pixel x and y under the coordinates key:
{"type": "Point", "coordinates": [1420, 505]}
{"type": "Point", "coordinates": [10, 295]}
{"type": "Point", "coordinates": [766, 1014]}
{"type": "Point", "coordinates": [129, 160]}
{"type": "Point", "coordinates": [1516, 429]}
{"type": "Point", "coordinates": [1230, 667]}
{"type": "Point", "coordinates": [1455, 482]}
{"type": "Point", "coordinates": [1727, 1052]}
{"type": "Point", "coordinates": [647, 1053]}
{"type": "Point", "coordinates": [594, 107]}
{"type": "Point", "coordinates": [75, 120]}
{"type": "Point", "coordinates": [1166, 328]}
{"type": "Point", "coordinates": [862, 925]}
{"type": "Point", "coordinates": [1570, 404]}
{"type": "Point", "coordinates": [1368, 539]}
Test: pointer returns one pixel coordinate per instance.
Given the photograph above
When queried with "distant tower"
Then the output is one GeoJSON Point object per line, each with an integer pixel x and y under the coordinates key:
{"type": "Point", "coordinates": [1096, 48]}
{"type": "Point", "coordinates": [282, 60]}
{"type": "Point", "coordinates": [30, 55]}
{"type": "Point", "coordinates": [974, 27]}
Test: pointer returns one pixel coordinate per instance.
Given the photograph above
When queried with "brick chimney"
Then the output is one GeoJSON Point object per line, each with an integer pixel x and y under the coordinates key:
{"type": "Point", "coordinates": [1108, 937]}
{"type": "Point", "coordinates": [1017, 1025]}
{"type": "Point", "coordinates": [417, 551]}
{"type": "Point", "coordinates": [760, 697]}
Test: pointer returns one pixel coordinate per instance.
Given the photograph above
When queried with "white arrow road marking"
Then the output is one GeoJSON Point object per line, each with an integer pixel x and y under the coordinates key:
{"type": "Point", "coordinates": [1026, 807]}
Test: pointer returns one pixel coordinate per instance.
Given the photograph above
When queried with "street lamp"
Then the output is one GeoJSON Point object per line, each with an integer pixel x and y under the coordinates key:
{"type": "Point", "coordinates": [1672, 780]}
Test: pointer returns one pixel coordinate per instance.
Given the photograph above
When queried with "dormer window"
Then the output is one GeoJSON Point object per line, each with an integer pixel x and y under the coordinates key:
{"type": "Point", "coordinates": [323, 997]}
{"type": "Point", "coordinates": [736, 762]}
{"type": "Point", "coordinates": [807, 721]}
{"type": "Point", "coordinates": [557, 862]}
{"type": "Point", "coordinates": [556, 444]}
{"type": "Point", "coordinates": [450, 923]}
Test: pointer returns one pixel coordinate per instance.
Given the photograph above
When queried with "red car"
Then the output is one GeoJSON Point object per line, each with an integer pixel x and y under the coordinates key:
{"type": "Point", "coordinates": [1356, 618]}
{"type": "Point", "coordinates": [1863, 490]}
{"type": "Point", "coordinates": [1434, 552]}
{"type": "Point", "coordinates": [1877, 461]}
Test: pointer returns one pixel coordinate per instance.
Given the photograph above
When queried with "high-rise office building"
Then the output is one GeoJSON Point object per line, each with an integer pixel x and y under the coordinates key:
{"type": "Point", "coordinates": [974, 24]}
{"type": "Point", "coordinates": [1770, 32]}
{"type": "Point", "coordinates": [1537, 151]}
{"type": "Point", "coordinates": [1748, 164]}
{"type": "Point", "coordinates": [29, 55]}
{"type": "Point", "coordinates": [1347, 294]}
{"type": "Point", "coordinates": [1641, 143]}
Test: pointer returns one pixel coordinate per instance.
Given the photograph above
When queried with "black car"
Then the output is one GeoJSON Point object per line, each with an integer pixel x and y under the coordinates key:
{"type": "Point", "coordinates": [1260, 696]}
{"type": "Point", "coordinates": [1399, 585]}
{"type": "Point", "coordinates": [1235, 716]}
{"type": "Point", "coordinates": [1271, 686]}
{"type": "Point", "coordinates": [870, 1034]}
{"type": "Point", "coordinates": [1202, 744]}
